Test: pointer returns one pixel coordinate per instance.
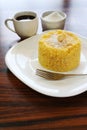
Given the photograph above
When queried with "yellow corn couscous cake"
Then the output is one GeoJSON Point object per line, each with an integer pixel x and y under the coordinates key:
{"type": "Point", "coordinates": [59, 50]}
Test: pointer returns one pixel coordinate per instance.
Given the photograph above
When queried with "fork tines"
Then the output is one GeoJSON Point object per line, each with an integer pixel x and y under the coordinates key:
{"type": "Point", "coordinates": [48, 75]}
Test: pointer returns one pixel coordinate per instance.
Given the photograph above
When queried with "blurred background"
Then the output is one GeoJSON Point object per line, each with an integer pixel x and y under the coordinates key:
{"type": "Point", "coordinates": [75, 10]}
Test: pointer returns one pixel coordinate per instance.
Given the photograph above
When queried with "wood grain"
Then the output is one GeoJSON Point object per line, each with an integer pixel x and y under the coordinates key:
{"type": "Point", "coordinates": [20, 106]}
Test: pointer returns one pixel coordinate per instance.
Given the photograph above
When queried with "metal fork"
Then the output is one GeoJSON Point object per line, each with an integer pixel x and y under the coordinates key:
{"type": "Point", "coordinates": [54, 76]}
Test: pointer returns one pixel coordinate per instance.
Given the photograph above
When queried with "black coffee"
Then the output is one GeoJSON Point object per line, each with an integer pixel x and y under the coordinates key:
{"type": "Point", "coordinates": [25, 17]}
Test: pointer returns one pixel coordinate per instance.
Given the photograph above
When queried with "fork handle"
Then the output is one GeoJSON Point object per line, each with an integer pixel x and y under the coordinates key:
{"type": "Point", "coordinates": [76, 74]}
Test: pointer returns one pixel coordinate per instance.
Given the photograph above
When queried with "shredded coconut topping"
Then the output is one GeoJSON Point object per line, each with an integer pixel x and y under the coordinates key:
{"type": "Point", "coordinates": [59, 41]}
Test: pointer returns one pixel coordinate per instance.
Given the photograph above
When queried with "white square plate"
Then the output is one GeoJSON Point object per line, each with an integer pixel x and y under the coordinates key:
{"type": "Point", "coordinates": [22, 60]}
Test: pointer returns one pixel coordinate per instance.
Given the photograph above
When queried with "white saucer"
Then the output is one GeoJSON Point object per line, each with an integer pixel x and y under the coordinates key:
{"type": "Point", "coordinates": [22, 60]}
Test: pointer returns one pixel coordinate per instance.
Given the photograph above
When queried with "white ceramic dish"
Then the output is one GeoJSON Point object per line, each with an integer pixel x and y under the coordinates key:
{"type": "Point", "coordinates": [22, 60]}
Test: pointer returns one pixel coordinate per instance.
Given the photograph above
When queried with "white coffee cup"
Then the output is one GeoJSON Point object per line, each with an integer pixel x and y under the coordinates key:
{"type": "Point", "coordinates": [53, 20]}
{"type": "Point", "coordinates": [25, 24]}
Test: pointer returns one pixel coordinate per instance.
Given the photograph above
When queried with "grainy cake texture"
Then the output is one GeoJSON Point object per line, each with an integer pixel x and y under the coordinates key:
{"type": "Point", "coordinates": [59, 50]}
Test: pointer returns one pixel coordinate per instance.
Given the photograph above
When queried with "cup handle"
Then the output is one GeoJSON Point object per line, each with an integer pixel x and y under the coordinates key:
{"type": "Point", "coordinates": [7, 25]}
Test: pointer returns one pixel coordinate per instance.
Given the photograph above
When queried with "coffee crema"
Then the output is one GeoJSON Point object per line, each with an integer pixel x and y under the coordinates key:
{"type": "Point", "coordinates": [25, 17]}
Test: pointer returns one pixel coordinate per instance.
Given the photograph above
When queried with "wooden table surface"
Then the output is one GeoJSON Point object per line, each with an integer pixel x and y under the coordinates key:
{"type": "Point", "coordinates": [20, 106]}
